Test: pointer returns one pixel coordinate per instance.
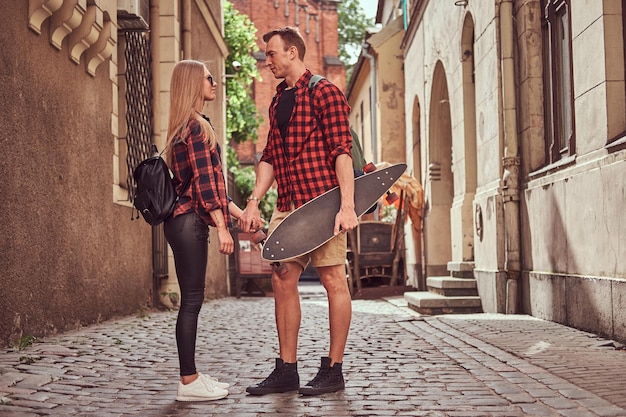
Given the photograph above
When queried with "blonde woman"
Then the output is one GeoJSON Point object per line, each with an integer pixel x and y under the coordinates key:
{"type": "Point", "coordinates": [193, 155]}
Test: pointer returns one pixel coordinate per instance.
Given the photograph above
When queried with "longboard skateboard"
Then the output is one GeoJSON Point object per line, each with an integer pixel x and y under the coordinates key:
{"type": "Point", "coordinates": [312, 224]}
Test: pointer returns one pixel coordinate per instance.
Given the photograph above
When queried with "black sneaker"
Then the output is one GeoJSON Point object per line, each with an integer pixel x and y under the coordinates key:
{"type": "Point", "coordinates": [328, 379]}
{"type": "Point", "coordinates": [284, 378]}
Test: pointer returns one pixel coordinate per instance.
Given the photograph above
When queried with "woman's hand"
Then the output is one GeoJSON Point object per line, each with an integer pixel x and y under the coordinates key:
{"type": "Point", "coordinates": [227, 244]}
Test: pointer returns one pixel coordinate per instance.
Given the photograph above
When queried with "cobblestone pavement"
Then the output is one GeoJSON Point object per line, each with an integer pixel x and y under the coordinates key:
{"type": "Point", "coordinates": [397, 363]}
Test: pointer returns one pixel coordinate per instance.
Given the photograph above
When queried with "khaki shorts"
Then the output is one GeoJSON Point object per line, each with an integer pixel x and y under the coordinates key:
{"type": "Point", "coordinates": [330, 253]}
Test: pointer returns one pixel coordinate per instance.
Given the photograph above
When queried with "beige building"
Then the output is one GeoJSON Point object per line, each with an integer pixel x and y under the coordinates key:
{"type": "Point", "coordinates": [515, 124]}
{"type": "Point", "coordinates": [84, 94]}
{"type": "Point", "coordinates": [376, 97]}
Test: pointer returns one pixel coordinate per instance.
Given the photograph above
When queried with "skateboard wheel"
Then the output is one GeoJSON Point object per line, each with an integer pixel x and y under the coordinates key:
{"type": "Point", "coordinates": [392, 197]}
{"type": "Point", "coordinates": [258, 236]}
{"type": "Point", "coordinates": [369, 168]}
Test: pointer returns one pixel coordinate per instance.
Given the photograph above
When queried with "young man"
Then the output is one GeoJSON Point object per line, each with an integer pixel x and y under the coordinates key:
{"type": "Point", "coordinates": [305, 159]}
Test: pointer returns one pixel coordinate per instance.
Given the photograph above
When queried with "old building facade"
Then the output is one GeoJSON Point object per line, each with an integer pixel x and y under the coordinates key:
{"type": "Point", "coordinates": [84, 93]}
{"type": "Point", "coordinates": [516, 121]}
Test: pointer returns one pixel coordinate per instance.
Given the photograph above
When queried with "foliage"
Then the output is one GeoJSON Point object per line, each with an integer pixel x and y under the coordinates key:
{"type": "Point", "coordinates": [352, 26]}
{"type": "Point", "coordinates": [245, 177]}
{"type": "Point", "coordinates": [25, 341]}
{"type": "Point", "coordinates": [242, 118]}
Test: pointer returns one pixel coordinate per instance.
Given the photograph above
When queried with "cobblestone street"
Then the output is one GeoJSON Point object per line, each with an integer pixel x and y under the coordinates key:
{"type": "Point", "coordinates": [397, 364]}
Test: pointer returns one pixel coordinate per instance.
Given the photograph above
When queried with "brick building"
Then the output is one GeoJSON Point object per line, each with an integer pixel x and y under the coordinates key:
{"type": "Point", "coordinates": [317, 21]}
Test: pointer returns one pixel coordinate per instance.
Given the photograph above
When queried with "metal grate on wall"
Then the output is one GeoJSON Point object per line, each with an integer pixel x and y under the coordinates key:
{"type": "Point", "coordinates": [139, 133]}
{"type": "Point", "coordinates": [138, 102]}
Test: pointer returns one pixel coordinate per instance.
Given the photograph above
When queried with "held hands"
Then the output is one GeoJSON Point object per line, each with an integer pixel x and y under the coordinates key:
{"type": "Point", "coordinates": [251, 220]}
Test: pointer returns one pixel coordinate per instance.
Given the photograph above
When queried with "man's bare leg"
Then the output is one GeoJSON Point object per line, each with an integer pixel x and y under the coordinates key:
{"type": "Point", "coordinates": [329, 378]}
{"type": "Point", "coordinates": [287, 310]}
{"type": "Point", "coordinates": [284, 377]}
{"type": "Point", "coordinates": [339, 308]}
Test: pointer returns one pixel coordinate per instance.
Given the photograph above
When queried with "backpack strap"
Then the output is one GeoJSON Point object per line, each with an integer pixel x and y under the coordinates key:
{"type": "Point", "coordinates": [312, 83]}
{"type": "Point", "coordinates": [314, 80]}
{"type": "Point", "coordinates": [187, 181]}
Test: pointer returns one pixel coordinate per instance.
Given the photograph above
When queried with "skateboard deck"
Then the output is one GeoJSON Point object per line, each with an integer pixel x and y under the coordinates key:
{"type": "Point", "coordinates": [312, 224]}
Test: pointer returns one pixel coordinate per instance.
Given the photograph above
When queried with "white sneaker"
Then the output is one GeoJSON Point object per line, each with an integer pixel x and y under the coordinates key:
{"type": "Point", "coordinates": [199, 390]}
{"type": "Point", "coordinates": [214, 381]}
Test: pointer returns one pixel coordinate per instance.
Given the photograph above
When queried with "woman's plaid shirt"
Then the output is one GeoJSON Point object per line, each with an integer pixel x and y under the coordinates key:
{"type": "Point", "coordinates": [304, 162]}
{"type": "Point", "coordinates": [207, 191]}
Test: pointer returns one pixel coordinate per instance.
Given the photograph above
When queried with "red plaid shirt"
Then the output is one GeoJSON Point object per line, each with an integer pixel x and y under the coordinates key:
{"type": "Point", "coordinates": [304, 162]}
{"type": "Point", "coordinates": [207, 190]}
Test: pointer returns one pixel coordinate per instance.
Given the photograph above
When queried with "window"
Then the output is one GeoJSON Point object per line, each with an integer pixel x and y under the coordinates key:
{"type": "Point", "coordinates": [558, 91]}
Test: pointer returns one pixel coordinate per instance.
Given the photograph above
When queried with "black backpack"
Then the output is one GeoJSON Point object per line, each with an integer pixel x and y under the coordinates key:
{"type": "Point", "coordinates": [155, 195]}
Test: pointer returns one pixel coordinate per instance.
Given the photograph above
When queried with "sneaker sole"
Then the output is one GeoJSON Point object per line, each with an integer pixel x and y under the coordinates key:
{"type": "Point", "coordinates": [188, 399]}
{"type": "Point", "coordinates": [318, 391]}
{"type": "Point", "coordinates": [263, 391]}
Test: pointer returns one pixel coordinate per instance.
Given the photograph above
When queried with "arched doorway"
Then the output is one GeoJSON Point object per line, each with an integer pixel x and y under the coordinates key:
{"type": "Point", "coordinates": [417, 230]}
{"type": "Point", "coordinates": [439, 186]}
{"type": "Point", "coordinates": [463, 242]}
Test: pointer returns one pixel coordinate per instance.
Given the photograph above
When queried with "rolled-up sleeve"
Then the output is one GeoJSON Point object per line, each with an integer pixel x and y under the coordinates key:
{"type": "Point", "coordinates": [200, 157]}
{"type": "Point", "coordinates": [335, 112]}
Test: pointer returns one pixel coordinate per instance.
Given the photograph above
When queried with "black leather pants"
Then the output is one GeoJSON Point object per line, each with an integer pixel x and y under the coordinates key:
{"type": "Point", "coordinates": [188, 236]}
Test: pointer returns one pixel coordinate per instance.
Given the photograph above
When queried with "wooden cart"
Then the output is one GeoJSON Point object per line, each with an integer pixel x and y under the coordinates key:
{"type": "Point", "coordinates": [250, 269]}
{"type": "Point", "coordinates": [376, 258]}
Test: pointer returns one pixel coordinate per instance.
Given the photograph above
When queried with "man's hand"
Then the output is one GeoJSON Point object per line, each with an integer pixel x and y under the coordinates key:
{"type": "Point", "coordinates": [251, 220]}
{"type": "Point", "coordinates": [345, 220]}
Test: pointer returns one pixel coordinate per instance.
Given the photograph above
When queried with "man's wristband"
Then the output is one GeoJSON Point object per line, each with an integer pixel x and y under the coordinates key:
{"type": "Point", "coordinates": [257, 199]}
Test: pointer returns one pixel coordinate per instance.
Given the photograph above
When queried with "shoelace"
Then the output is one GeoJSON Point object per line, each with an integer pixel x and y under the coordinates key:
{"type": "Point", "coordinates": [321, 375]}
{"type": "Point", "coordinates": [276, 373]}
{"type": "Point", "coordinates": [207, 384]}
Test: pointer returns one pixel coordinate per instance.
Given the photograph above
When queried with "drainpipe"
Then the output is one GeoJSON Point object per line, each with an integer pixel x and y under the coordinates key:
{"type": "Point", "coordinates": [155, 32]}
{"type": "Point", "coordinates": [186, 29]}
{"type": "Point", "coordinates": [373, 113]}
{"type": "Point", "coordinates": [510, 161]}
{"type": "Point", "coordinates": [157, 139]}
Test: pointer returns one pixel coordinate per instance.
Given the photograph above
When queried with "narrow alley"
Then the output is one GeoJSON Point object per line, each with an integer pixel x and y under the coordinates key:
{"type": "Point", "coordinates": [397, 364]}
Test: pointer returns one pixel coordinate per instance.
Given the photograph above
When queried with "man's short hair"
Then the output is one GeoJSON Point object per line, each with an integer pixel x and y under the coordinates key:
{"type": "Point", "coordinates": [291, 37]}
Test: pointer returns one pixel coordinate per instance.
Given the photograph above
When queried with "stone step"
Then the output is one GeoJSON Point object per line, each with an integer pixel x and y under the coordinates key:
{"type": "Point", "coordinates": [461, 269]}
{"type": "Point", "coordinates": [451, 286]}
{"type": "Point", "coordinates": [426, 302]}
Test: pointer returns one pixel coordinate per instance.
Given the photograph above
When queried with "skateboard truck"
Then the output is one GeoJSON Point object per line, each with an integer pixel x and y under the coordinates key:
{"type": "Point", "coordinates": [259, 237]}
{"type": "Point", "coordinates": [391, 197]}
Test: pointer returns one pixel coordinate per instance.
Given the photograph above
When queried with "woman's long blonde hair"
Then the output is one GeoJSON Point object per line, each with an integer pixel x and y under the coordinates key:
{"type": "Point", "coordinates": [186, 102]}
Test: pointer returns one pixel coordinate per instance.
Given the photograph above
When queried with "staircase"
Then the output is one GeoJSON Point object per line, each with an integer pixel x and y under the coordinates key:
{"type": "Point", "coordinates": [454, 294]}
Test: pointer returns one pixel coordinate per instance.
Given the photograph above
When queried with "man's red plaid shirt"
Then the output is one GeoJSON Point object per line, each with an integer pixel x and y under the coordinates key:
{"type": "Point", "coordinates": [304, 162]}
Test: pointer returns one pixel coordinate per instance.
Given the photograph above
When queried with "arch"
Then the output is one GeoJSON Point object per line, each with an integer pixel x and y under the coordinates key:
{"type": "Point", "coordinates": [416, 151]}
{"type": "Point", "coordinates": [469, 155]}
{"type": "Point", "coordinates": [439, 186]}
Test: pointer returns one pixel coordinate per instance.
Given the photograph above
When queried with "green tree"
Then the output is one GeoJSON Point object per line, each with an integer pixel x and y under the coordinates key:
{"type": "Point", "coordinates": [242, 118]}
{"type": "Point", "coordinates": [352, 26]}
{"type": "Point", "coordinates": [245, 178]}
